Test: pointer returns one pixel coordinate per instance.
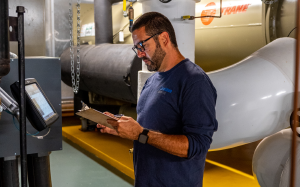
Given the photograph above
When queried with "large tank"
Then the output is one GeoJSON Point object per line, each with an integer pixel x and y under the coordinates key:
{"type": "Point", "coordinates": [245, 26]}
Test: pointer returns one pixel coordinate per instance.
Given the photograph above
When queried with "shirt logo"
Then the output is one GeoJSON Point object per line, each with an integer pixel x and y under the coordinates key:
{"type": "Point", "coordinates": [164, 90]}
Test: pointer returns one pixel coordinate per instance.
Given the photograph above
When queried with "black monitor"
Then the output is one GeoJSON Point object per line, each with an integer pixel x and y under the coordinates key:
{"type": "Point", "coordinates": [39, 110]}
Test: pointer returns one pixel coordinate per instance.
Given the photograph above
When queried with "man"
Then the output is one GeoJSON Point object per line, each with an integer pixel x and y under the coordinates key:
{"type": "Point", "coordinates": [177, 105]}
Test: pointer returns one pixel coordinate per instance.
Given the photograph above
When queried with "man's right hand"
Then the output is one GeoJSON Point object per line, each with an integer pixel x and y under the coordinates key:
{"type": "Point", "coordinates": [104, 129]}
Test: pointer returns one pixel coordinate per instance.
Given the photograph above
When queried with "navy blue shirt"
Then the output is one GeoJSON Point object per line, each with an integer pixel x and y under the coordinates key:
{"type": "Point", "coordinates": [180, 101]}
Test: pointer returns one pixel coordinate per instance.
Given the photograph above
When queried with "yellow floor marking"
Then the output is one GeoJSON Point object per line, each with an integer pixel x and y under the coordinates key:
{"type": "Point", "coordinates": [230, 169]}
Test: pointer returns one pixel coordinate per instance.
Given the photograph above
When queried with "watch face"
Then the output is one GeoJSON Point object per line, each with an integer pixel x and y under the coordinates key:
{"type": "Point", "coordinates": [143, 138]}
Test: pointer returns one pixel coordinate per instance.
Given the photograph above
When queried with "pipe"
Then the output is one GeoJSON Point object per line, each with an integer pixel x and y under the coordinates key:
{"type": "Point", "coordinates": [21, 48]}
{"type": "Point", "coordinates": [107, 69]}
{"type": "Point", "coordinates": [4, 39]}
{"type": "Point", "coordinates": [275, 149]}
{"type": "Point", "coordinates": [295, 117]}
{"type": "Point", "coordinates": [103, 21]}
{"type": "Point", "coordinates": [255, 95]}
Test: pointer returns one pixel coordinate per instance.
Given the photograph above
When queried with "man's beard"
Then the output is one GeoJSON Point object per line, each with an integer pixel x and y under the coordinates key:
{"type": "Point", "coordinates": [156, 59]}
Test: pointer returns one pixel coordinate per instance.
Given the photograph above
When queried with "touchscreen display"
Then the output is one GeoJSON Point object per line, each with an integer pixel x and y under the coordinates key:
{"type": "Point", "coordinates": [39, 101]}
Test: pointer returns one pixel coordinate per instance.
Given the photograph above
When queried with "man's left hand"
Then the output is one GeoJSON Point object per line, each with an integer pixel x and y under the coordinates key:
{"type": "Point", "coordinates": [127, 127]}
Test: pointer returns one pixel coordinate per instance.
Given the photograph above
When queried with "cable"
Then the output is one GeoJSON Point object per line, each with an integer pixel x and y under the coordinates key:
{"type": "Point", "coordinates": [27, 131]}
{"type": "Point", "coordinates": [33, 135]}
{"type": "Point", "coordinates": [291, 31]}
{"type": "Point", "coordinates": [125, 27]}
{"type": "Point", "coordinates": [42, 137]}
{"type": "Point", "coordinates": [8, 112]}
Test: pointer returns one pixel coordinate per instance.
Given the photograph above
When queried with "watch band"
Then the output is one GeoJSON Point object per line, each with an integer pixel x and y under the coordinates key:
{"type": "Point", "coordinates": [145, 132]}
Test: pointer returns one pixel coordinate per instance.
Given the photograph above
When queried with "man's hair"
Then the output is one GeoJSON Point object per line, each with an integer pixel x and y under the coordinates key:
{"type": "Point", "coordinates": [154, 23]}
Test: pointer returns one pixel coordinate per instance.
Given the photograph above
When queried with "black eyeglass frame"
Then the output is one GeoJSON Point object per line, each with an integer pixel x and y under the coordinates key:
{"type": "Point", "coordinates": [142, 49]}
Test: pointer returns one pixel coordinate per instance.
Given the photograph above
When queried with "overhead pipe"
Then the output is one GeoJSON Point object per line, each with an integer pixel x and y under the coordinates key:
{"type": "Point", "coordinates": [4, 39]}
{"type": "Point", "coordinates": [103, 21]}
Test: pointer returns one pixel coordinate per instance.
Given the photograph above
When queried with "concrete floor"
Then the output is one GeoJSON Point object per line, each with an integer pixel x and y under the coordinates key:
{"type": "Point", "coordinates": [76, 167]}
{"type": "Point", "coordinates": [73, 168]}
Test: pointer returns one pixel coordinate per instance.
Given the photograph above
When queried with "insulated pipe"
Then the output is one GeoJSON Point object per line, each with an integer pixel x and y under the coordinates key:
{"type": "Point", "coordinates": [103, 21]}
{"type": "Point", "coordinates": [255, 96]}
{"type": "Point", "coordinates": [107, 69]}
{"type": "Point", "coordinates": [4, 39]}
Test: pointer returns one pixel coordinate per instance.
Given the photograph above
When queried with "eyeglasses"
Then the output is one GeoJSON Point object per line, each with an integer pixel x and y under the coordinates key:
{"type": "Point", "coordinates": [140, 45]}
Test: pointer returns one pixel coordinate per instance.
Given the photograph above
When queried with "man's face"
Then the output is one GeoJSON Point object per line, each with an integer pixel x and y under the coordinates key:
{"type": "Point", "coordinates": [153, 54]}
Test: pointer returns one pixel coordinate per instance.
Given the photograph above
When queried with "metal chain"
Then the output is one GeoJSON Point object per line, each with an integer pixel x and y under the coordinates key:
{"type": "Point", "coordinates": [75, 78]}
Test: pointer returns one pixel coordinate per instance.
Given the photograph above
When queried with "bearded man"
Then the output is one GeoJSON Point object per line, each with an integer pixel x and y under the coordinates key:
{"type": "Point", "coordinates": [176, 111]}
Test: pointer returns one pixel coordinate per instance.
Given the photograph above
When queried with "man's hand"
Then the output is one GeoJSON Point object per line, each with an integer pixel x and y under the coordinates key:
{"type": "Point", "coordinates": [105, 129]}
{"type": "Point", "coordinates": [126, 127]}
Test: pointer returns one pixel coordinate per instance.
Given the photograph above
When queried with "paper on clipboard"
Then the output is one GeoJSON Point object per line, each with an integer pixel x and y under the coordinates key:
{"type": "Point", "coordinates": [95, 116]}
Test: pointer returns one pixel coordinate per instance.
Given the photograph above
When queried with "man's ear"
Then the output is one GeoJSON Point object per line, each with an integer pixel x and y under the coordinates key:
{"type": "Point", "coordinates": [165, 38]}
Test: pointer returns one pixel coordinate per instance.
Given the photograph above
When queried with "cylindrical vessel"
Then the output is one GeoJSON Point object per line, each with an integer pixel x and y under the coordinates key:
{"type": "Point", "coordinates": [4, 39]}
{"type": "Point", "coordinates": [255, 95]}
{"type": "Point", "coordinates": [272, 160]}
{"type": "Point", "coordinates": [106, 69]}
{"type": "Point", "coordinates": [245, 26]}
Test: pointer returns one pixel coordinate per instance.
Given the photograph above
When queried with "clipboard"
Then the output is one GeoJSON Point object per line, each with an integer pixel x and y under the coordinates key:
{"type": "Point", "coordinates": [95, 116]}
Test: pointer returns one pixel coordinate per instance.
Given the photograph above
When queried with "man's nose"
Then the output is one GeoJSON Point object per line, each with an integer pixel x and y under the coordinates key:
{"type": "Point", "coordinates": [141, 54]}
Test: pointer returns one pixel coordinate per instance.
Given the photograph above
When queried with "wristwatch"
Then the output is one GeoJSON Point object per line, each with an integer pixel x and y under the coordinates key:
{"type": "Point", "coordinates": [143, 137]}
